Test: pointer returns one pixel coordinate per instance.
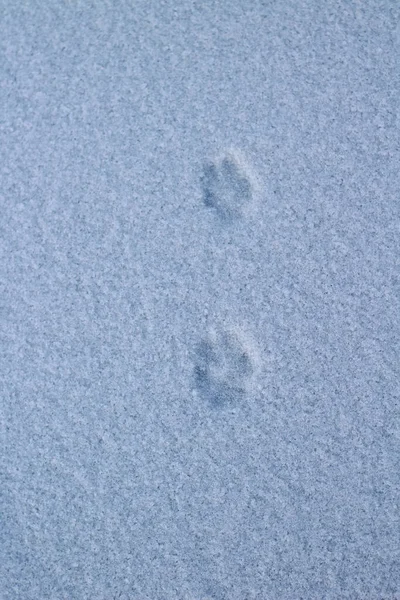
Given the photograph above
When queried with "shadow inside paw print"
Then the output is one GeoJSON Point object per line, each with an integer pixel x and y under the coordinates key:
{"type": "Point", "coordinates": [223, 369]}
{"type": "Point", "coordinates": [226, 189]}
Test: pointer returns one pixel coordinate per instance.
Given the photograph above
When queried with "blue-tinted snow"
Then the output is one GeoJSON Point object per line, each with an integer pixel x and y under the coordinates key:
{"type": "Point", "coordinates": [199, 300]}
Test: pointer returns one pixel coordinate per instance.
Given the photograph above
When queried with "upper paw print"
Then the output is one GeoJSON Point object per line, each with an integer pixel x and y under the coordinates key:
{"type": "Point", "coordinates": [227, 188]}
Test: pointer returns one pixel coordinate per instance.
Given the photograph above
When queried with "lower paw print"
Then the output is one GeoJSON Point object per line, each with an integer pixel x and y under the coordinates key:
{"type": "Point", "coordinates": [223, 369]}
{"type": "Point", "coordinates": [227, 188]}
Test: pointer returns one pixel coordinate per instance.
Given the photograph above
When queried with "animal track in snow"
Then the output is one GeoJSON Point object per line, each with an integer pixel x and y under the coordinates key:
{"type": "Point", "coordinates": [223, 368]}
{"type": "Point", "coordinates": [227, 188]}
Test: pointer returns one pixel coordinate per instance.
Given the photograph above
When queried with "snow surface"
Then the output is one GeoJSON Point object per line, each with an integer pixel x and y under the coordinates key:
{"type": "Point", "coordinates": [200, 300]}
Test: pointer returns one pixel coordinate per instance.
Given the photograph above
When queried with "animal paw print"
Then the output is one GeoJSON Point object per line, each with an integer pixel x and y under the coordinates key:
{"type": "Point", "coordinates": [227, 189]}
{"type": "Point", "coordinates": [223, 368]}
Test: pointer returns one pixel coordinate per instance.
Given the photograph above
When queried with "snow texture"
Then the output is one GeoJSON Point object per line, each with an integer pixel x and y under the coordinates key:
{"type": "Point", "coordinates": [200, 300]}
